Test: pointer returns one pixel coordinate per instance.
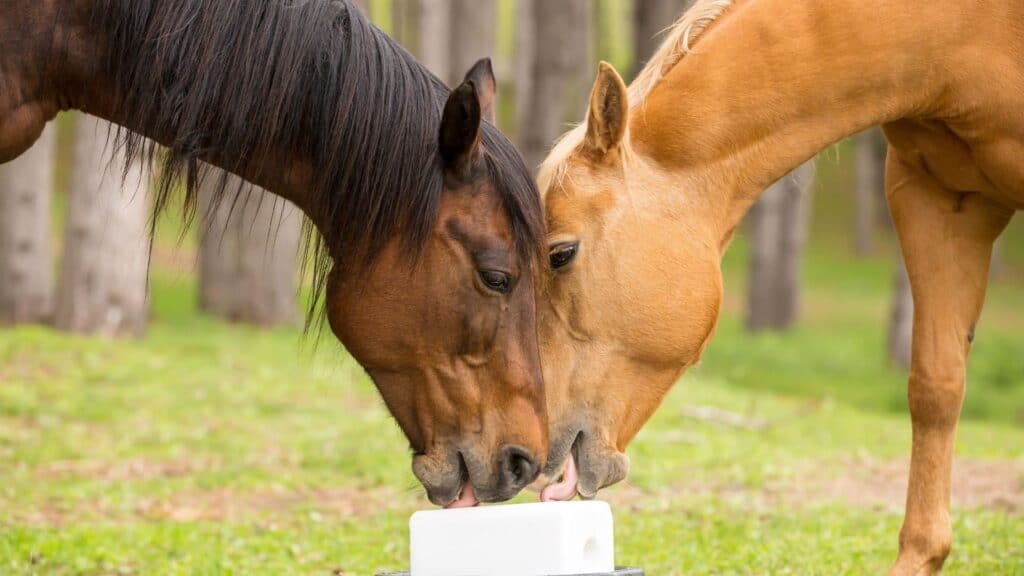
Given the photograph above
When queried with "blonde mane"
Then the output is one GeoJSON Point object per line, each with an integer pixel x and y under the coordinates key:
{"type": "Point", "coordinates": [678, 42]}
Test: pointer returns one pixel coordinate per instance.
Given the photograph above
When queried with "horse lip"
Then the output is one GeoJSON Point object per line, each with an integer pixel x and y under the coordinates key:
{"type": "Point", "coordinates": [555, 464]}
{"type": "Point", "coordinates": [463, 477]}
{"type": "Point", "coordinates": [443, 500]}
{"type": "Point", "coordinates": [574, 449]}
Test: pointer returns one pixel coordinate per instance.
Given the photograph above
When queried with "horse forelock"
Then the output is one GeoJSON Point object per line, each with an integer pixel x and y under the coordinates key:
{"type": "Point", "coordinates": [679, 40]}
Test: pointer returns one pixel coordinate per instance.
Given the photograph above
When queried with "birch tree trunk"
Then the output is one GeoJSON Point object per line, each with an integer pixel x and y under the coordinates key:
{"type": "Point", "coordinates": [559, 92]}
{"type": "Point", "coordinates": [995, 268]}
{"type": "Point", "coordinates": [525, 55]}
{"type": "Point", "coordinates": [103, 283]}
{"type": "Point", "coordinates": [433, 46]}
{"type": "Point", "coordinates": [650, 19]}
{"type": "Point", "coordinates": [869, 188]}
{"type": "Point", "coordinates": [778, 231]}
{"type": "Point", "coordinates": [901, 319]}
{"type": "Point", "coordinates": [474, 27]}
{"type": "Point", "coordinates": [405, 24]}
{"type": "Point", "coordinates": [217, 246]}
{"type": "Point", "coordinates": [248, 254]}
{"type": "Point", "coordinates": [26, 259]}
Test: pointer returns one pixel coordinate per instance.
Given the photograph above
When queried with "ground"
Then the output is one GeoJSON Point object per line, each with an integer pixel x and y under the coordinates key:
{"type": "Point", "coordinates": [216, 449]}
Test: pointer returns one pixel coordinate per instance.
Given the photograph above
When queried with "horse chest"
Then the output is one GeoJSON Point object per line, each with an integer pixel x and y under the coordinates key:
{"type": "Point", "coordinates": [1001, 159]}
{"type": "Point", "coordinates": [988, 161]}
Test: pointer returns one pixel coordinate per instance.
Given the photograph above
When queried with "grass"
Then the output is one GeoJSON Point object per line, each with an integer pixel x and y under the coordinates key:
{"type": "Point", "coordinates": [214, 449]}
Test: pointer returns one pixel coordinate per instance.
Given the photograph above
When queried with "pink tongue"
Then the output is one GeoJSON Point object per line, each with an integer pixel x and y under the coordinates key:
{"type": "Point", "coordinates": [564, 490]}
{"type": "Point", "coordinates": [467, 499]}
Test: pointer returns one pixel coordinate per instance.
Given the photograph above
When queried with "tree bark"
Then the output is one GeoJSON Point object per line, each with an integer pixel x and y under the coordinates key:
{"type": "Point", "coordinates": [525, 54]}
{"type": "Point", "coordinates": [650, 19]}
{"type": "Point", "coordinates": [248, 254]}
{"type": "Point", "coordinates": [432, 42]}
{"type": "Point", "coordinates": [103, 283]}
{"type": "Point", "coordinates": [26, 260]}
{"type": "Point", "coordinates": [474, 35]}
{"type": "Point", "coordinates": [901, 319]}
{"type": "Point", "coordinates": [405, 23]}
{"type": "Point", "coordinates": [995, 269]}
{"type": "Point", "coordinates": [217, 245]}
{"type": "Point", "coordinates": [778, 231]}
{"type": "Point", "coordinates": [559, 93]}
{"type": "Point", "coordinates": [869, 149]}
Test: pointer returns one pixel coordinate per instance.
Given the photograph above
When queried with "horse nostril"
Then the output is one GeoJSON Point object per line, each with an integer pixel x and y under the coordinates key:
{"type": "Point", "coordinates": [518, 467]}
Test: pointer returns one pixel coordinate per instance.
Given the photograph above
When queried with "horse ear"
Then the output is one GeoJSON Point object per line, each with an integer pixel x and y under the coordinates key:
{"type": "Point", "coordinates": [482, 76]}
{"type": "Point", "coordinates": [609, 110]}
{"type": "Point", "coordinates": [459, 139]}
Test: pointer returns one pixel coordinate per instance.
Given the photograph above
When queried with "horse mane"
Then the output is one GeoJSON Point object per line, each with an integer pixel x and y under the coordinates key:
{"type": "Point", "coordinates": [679, 40]}
{"type": "Point", "coordinates": [242, 80]}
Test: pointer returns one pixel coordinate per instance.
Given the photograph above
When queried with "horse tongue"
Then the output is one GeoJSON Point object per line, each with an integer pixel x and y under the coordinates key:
{"type": "Point", "coordinates": [467, 499]}
{"type": "Point", "coordinates": [564, 489]}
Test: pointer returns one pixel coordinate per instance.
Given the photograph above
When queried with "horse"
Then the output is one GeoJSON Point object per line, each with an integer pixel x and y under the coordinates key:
{"type": "Point", "coordinates": [430, 225]}
{"type": "Point", "coordinates": [643, 198]}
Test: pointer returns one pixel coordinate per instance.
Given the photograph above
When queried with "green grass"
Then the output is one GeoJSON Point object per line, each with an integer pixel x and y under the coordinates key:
{"type": "Point", "coordinates": [214, 449]}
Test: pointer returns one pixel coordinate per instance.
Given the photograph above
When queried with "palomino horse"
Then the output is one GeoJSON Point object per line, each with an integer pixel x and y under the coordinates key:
{"type": "Point", "coordinates": [643, 199]}
{"type": "Point", "coordinates": [429, 221]}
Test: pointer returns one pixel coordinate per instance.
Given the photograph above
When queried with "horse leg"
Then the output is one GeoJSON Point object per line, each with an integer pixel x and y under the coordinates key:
{"type": "Point", "coordinates": [946, 238]}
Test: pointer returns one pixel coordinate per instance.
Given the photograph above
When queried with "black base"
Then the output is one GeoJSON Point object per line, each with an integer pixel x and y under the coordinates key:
{"type": "Point", "coordinates": [617, 572]}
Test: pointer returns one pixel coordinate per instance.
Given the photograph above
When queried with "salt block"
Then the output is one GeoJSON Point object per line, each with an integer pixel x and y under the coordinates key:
{"type": "Point", "coordinates": [542, 539]}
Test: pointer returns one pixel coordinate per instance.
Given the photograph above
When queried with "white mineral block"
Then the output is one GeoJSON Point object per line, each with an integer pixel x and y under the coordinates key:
{"type": "Point", "coordinates": [543, 539]}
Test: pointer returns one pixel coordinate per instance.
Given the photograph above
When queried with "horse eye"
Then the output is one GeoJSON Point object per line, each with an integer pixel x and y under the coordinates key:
{"type": "Point", "coordinates": [562, 254]}
{"type": "Point", "coordinates": [499, 282]}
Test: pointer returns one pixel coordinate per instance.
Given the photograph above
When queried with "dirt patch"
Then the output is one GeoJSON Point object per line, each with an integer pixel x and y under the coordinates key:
{"type": "Point", "coordinates": [856, 482]}
{"type": "Point", "coordinates": [121, 470]}
{"type": "Point", "coordinates": [863, 482]}
{"type": "Point", "coordinates": [225, 505]}
{"type": "Point", "coordinates": [867, 483]}
{"type": "Point", "coordinates": [231, 505]}
{"type": "Point", "coordinates": [22, 367]}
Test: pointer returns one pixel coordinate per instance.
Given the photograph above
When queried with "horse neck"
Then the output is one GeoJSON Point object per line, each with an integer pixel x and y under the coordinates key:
{"type": "Point", "coordinates": [776, 81]}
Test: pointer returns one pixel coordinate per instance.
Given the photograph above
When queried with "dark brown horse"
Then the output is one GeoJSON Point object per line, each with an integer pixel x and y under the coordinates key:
{"type": "Point", "coordinates": [429, 222]}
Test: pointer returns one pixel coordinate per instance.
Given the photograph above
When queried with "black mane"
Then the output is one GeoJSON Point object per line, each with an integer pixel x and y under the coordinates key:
{"type": "Point", "coordinates": [242, 79]}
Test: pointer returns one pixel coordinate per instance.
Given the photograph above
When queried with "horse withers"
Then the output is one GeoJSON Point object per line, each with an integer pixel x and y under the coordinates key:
{"type": "Point", "coordinates": [643, 199]}
{"type": "Point", "coordinates": [429, 223]}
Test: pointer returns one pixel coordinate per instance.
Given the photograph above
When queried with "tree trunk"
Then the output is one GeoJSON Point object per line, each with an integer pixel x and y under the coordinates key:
{"type": "Point", "coordinates": [217, 246]}
{"type": "Point", "coordinates": [474, 35]}
{"type": "Point", "coordinates": [650, 19]}
{"type": "Point", "coordinates": [581, 60]}
{"type": "Point", "coordinates": [869, 188]}
{"type": "Point", "coordinates": [558, 93]}
{"type": "Point", "coordinates": [106, 240]}
{"type": "Point", "coordinates": [525, 53]}
{"type": "Point", "coordinates": [405, 24]}
{"type": "Point", "coordinates": [26, 260]}
{"type": "Point", "coordinates": [778, 233]}
{"type": "Point", "coordinates": [431, 43]}
{"type": "Point", "coordinates": [248, 254]}
{"type": "Point", "coordinates": [901, 319]}
{"type": "Point", "coordinates": [995, 268]}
